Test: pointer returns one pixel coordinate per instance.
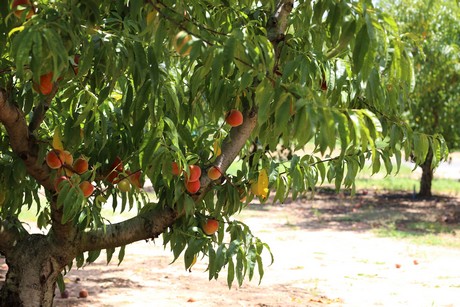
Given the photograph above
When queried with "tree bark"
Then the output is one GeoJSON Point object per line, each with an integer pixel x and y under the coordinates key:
{"type": "Point", "coordinates": [427, 176]}
{"type": "Point", "coordinates": [34, 265]}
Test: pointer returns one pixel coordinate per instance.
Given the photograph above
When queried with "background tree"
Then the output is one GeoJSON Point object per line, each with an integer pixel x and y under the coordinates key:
{"type": "Point", "coordinates": [434, 103]}
{"type": "Point", "coordinates": [141, 92]}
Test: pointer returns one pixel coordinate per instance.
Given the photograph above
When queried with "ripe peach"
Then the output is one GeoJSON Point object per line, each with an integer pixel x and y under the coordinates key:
{"type": "Point", "coordinates": [214, 173]}
{"type": "Point", "coordinates": [117, 164]}
{"type": "Point", "coordinates": [192, 186]}
{"type": "Point", "coordinates": [135, 178]}
{"type": "Point", "coordinates": [83, 293]}
{"type": "Point", "coordinates": [87, 188]}
{"type": "Point", "coordinates": [115, 168]}
{"type": "Point", "coordinates": [46, 84]}
{"type": "Point", "coordinates": [124, 185]}
{"type": "Point", "coordinates": [175, 169]}
{"type": "Point", "coordinates": [210, 227]}
{"type": "Point", "coordinates": [57, 182]}
{"type": "Point", "coordinates": [80, 166]}
{"type": "Point", "coordinates": [66, 157]}
{"type": "Point", "coordinates": [194, 173]}
{"type": "Point", "coordinates": [53, 160]}
{"type": "Point", "coordinates": [112, 177]}
{"type": "Point", "coordinates": [25, 3]}
{"type": "Point", "coordinates": [234, 118]}
{"type": "Point", "coordinates": [181, 43]}
{"type": "Point", "coordinates": [397, 265]}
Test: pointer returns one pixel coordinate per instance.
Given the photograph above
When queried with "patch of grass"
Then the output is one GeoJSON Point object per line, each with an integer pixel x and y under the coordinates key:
{"type": "Point", "coordinates": [432, 239]}
{"type": "Point", "coordinates": [430, 227]}
{"type": "Point", "coordinates": [439, 186]}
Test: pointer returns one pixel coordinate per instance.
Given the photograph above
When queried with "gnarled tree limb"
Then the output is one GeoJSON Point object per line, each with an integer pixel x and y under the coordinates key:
{"type": "Point", "coordinates": [22, 142]}
{"type": "Point", "coordinates": [141, 227]}
{"type": "Point", "coordinates": [25, 145]}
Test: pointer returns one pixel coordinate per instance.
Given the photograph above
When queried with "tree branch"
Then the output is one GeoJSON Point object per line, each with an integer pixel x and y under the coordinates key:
{"type": "Point", "coordinates": [22, 142]}
{"type": "Point", "coordinates": [40, 111]}
{"type": "Point", "coordinates": [25, 145]}
{"type": "Point", "coordinates": [232, 145]}
{"type": "Point", "coordinates": [10, 234]}
{"type": "Point", "coordinates": [152, 223]}
{"type": "Point", "coordinates": [149, 224]}
{"type": "Point", "coordinates": [277, 23]}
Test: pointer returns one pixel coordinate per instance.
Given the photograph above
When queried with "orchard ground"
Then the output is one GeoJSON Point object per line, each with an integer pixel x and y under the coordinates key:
{"type": "Point", "coordinates": [376, 249]}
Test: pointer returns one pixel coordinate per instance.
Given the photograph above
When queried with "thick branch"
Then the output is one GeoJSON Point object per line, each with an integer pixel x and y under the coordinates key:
{"type": "Point", "coordinates": [23, 144]}
{"type": "Point", "coordinates": [233, 143]}
{"type": "Point", "coordinates": [142, 227]}
{"type": "Point", "coordinates": [153, 223]}
{"type": "Point", "coordinates": [277, 24]}
{"type": "Point", "coordinates": [10, 234]}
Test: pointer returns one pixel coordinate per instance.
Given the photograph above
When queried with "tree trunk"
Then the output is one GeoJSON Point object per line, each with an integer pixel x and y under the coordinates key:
{"type": "Point", "coordinates": [427, 176]}
{"type": "Point", "coordinates": [32, 274]}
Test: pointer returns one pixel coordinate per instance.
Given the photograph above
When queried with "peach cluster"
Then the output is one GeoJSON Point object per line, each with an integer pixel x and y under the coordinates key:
{"type": "Point", "coordinates": [192, 178]}
{"type": "Point", "coordinates": [63, 161]}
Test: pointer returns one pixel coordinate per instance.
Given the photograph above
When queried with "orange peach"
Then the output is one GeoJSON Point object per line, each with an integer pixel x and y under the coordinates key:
{"type": "Point", "coordinates": [87, 188]}
{"type": "Point", "coordinates": [135, 178]}
{"type": "Point", "coordinates": [192, 186]}
{"type": "Point", "coordinates": [24, 3]}
{"type": "Point", "coordinates": [80, 165]}
{"type": "Point", "coordinates": [46, 84]}
{"type": "Point", "coordinates": [66, 157]}
{"type": "Point", "coordinates": [194, 173]}
{"type": "Point", "coordinates": [57, 182]}
{"type": "Point", "coordinates": [53, 160]}
{"type": "Point", "coordinates": [210, 227]}
{"type": "Point", "coordinates": [83, 293]}
{"type": "Point", "coordinates": [214, 173]}
{"type": "Point", "coordinates": [234, 118]}
{"type": "Point", "coordinates": [176, 171]}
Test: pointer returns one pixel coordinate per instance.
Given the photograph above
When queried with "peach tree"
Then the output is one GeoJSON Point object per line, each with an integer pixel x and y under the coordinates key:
{"type": "Point", "coordinates": [434, 106]}
{"type": "Point", "coordinates": [175, 111]}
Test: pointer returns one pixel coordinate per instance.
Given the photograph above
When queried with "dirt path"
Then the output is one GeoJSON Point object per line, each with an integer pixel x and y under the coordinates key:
{"type": "Point", "coordinates": [325, 254]}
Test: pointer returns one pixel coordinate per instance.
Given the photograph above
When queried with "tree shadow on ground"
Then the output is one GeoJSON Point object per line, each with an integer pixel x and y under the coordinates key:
{"type": "Point", "coordinates": [368, 210]}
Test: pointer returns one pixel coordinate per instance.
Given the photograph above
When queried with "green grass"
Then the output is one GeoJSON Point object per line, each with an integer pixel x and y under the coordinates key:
{"type": "Point", "coordinates": [432, 239]}
{"type": "Point", "coordinates": [439, 186]}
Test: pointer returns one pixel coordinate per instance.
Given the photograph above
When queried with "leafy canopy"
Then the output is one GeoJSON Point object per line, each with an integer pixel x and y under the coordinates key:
{"type": "Point", "coordinates": [337, 76]}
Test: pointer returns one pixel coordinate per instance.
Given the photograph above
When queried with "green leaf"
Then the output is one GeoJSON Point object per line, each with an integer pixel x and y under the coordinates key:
{"type": "Point", "coordinates": [361, 49]}
{"type": "Point", "coordinates": [230, 273]}
{"type": "Point", "coordinates": [109, 253]}
{"type": "Point", "coordinates": [121, 254]}
{"type": "Point", "coordinates": [260, 268]}
{"type": "Point", "coordinates": [264, 95]}
{"type": "Point", "coordinates": [240, 266]}
{"type": "Point", "coordinates": [212, 269]}
{"type": "Point", "coordinates": [60, 282]}
{"type": "Point", "coordinates": [93, 255]}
